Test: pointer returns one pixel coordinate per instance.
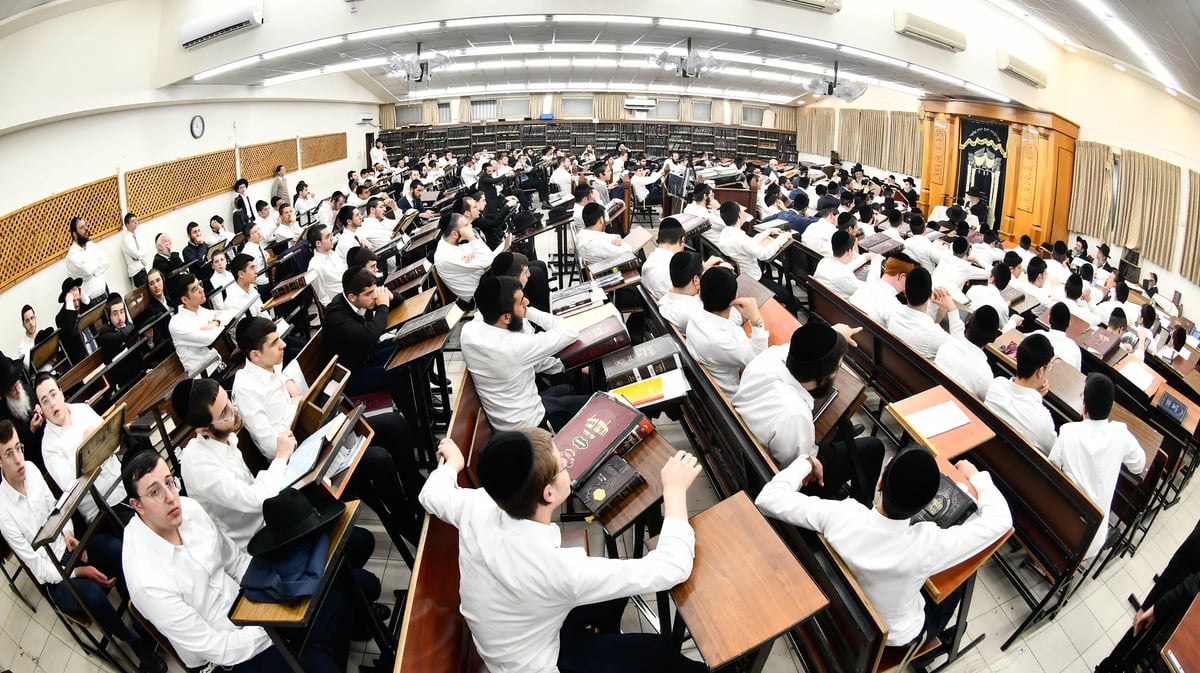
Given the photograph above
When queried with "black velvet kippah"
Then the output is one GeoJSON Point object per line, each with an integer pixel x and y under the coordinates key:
{"type": "Point", "coordinates": [502, 263]}
{"type": "Point", "coordinates": [815, 351]}
{"type": "Point", "coordinates": [181, 397]}
{"type": "Point", "coordinates": [909, 482]}
{"type": "Point", "coordinates": [505, 464]}
{"type": "Point", "coordinates": [1098, 394]}
{"type": "Point", "coordinates": [487, 295]}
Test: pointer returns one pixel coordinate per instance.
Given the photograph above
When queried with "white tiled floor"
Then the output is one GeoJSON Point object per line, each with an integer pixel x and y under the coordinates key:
{"type": "Point", "coordinates": [1073, 643]}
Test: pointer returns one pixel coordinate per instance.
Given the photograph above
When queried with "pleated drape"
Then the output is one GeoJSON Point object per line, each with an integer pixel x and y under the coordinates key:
{"type": "Point", "coordinates": [1148, 206]}
{"type": "Point", "coordinates": [849, 144]}
{"type": "Point", "coordinates": [1190, 265]}
{"type": "Point", "coordinates": [904, 143]}
{"type": "Point", "coordinates": [872, 138]}
{"type": "Point", "coordinates": [1091, 190]}
{"type": "Point", "coordinates": [815, 130]}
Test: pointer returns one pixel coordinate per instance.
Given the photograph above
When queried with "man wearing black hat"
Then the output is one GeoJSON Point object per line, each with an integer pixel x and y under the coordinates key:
{"type": "Point", "coordinates": [1102, 254]}
{"type": "Point", "coordinates": [22, 409]}
{"type": "Point", "coordinates": [183, 573]}
{"type": "Point", "coordinates": [1092, 451]}
{"type": "Point", "coordinates": [964, 359]}
{"type": "Point", "coordinates": [1018, 400]}
{"type": "Point", "coordinates": [910, 192]}
{"type": "Point", "coordinates": [890, 557]}
{"type": "Point", "coordinates": [776, 398]}
{"type": "Point", "coordinates": [86, 261]}
{"type": "Point", "coordinates": [979, 209]}
{"type": "Point", "coordinates": [532, 605]}
{"type": "Point", "coordinates": [73, 302]}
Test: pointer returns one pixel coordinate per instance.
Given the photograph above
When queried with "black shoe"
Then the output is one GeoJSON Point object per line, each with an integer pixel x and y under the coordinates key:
{"type": "Point", "coordinates": [856, 429]}
{"type": "Point", "coordinates": [438, 380]}
{"type": "Point", "coordinates": [149, 660]}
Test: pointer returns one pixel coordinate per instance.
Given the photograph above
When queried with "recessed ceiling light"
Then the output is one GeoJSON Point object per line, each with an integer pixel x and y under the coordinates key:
{"type": "Point", "coordinates": [602, 18]}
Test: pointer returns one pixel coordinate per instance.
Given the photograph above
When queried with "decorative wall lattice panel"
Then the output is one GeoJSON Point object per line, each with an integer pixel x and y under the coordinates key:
{"type": "Point", "coordinates": [259, 161]}
{"type": "Point", "coordinates": [323, 149]}
{"type": "Point", "coordinates": [161, 188]}
{"type": "Point", "coordinates": [36, 236]}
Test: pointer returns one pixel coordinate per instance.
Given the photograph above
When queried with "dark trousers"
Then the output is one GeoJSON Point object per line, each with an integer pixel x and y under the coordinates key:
{"type": "Point", "coordinates": [937, 615]}
{"type": "Point", "coordinates": [561, 405]}
{"type": "Point", "coordinates": [138, 279]}
{"type": "Point", "coordinates": [377, 483]}
{"type": "Point", "coordinates": [782, 294]}
{"type": "Point", "coordinates": [104, 553]}
{"type": "Point", "coordinates": [857, 461]}
{"type": "Point", "coordinates": [591, 642]}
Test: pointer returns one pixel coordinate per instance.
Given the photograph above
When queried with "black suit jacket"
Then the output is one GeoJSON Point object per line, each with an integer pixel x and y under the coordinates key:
{"type": "Point", "coordinates": [981, 211]}
{"type": "Point", "coordinates": [350, 336]}
{"type": "Point", "coordinates": [70, 341]}
{"type": "Point", "coordinates": [167, 264]}
{"type": "Point", "coordinates": [31, 440]}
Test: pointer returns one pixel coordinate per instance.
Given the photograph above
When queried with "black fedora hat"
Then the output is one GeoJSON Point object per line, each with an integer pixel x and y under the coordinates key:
{"type": "Point", "coordinates": [289, 517]}
{"type": "Point", "coordinates": [67, 284]}
{"type": "Point", "coordinates": [10, 373]}
{"type": "Point", "coordinates": [977, 192]}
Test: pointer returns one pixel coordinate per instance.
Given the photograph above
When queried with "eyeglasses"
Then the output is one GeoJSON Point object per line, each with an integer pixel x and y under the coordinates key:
{"type": "Point", "coordinates": [19, 449]}
{"type": "Point", "coordinates": [54, 394]}
{"type": "Point", "coordinates": [228, 414]}
{"type": "Point", "coordinates": [159, 493]}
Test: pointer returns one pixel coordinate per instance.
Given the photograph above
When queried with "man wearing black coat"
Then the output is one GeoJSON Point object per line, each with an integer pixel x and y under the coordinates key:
{"type": "Point", "coordinates": [20, 408]}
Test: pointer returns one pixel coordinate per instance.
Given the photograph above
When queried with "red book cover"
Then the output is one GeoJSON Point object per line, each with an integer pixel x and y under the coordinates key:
{"type": "Point", "coordinates": [1103, 342]}
{"type": "Point", "coordinates": [603, 427]}
{"type": "Point", "coordinates": [595, 341]}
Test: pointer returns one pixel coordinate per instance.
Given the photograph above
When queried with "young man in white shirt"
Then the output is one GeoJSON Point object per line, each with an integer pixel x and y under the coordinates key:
{"type": "Point", "coordinates": [461, 257]}
{"type": "Point", "coordinates": [678, 305]}
{"type": "Point", "coordinates": [136, 256]}
{"type": "Point", "coordinates": [1034, 283]}
{"type": "Point", "coordinates": [989, 295]}
{"type": "Point", "coordinates": [645, 186]}
{"type": "Point", "coordinates": [1076, 303]}
{"type": "Point", "coordinates": [777, 397]}
{"type": "Point", "coordinates": [964, 359]}
{"type": "Point", "coordinates": [656, 271]}
{"type": "Point", "coordinates": [837, 272]}
{"type": "Point", "coordinates": [328, 265]}
{"type": "Point", "coordinates": [1092, 451]}
{"type": "Point", "coordinates": [253, 247]}
{"type": "Point", "coordinates": [287, 228]}
{"type": "Point", "coordinates": [714, 340]}
{"type": "Point", "coordinates": [1018, 401]}
{"type": "Point", "coordinates": [955, 269]}
{"type": "Point", "coordinates": [593, 245]}
{"type": "Point", "coordinates": [533, 605]}
{"type": "Point", "coordinates": [217, 231]}
{"type": "Point", "coordinates": [562, 178]}
{"type": "Point", "coordinates": [817, 236]}
{"type": "Point", "coordinates": [359, 197]}
{"type": "Point", "coordinates": [705, 204]}
{"type": "Point", "coordinates": [194, 327]}
{"type": "Point", "coordinates": [67, 425]}
{"type": "Point", "coordinates": [878, 298]}
{"type": "Point", "coordinates": [348, 221]}
{"type": "Point", "coordinates": [1056, 267]}
{"type": "Point", "coordinates": [264, 220]}
{"type": "Point", "coordinates": [85, 260]}
{"type": "Point", "coordinates": [379, 154]}
{"type": "Point", "coordinates": [890, 557]}
{"type": "Point", "coordinates": [747, 251]}
{"type": "Point", "coordinates": [584, 194]}
{"type": "Point", "coordinates": [183, 573]}
{"type": "Point", "coordinates": [376, 228]}
{"type": "Point", "coordinates": [926, 252]}
{"type": "Point", "coordinates": [1065, 348]}
{"type": "Point", "coordinates": [504, 360]}
{"type": "Point", "coordinates": [914, 326]}
{"type": "Point", "coordinates": [25, 504]}
{"type": "Point", "coordinates": [303, 201]}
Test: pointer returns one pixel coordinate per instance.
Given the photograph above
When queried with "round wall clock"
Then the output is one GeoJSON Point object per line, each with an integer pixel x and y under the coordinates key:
{"type": "Point", "coordinates": [197, 126]}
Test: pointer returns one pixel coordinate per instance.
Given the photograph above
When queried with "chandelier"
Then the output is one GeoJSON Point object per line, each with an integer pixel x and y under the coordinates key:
{"type": "Point", "coordinates": [416, 68]}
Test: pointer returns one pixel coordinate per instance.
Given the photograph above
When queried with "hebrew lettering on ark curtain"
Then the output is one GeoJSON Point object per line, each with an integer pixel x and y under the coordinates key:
{"type": "Point", "coordinates": [982, 163]}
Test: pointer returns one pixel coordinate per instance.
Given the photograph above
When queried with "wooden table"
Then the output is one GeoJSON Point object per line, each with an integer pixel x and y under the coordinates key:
{"type": "Point", "coordinates": [628, 279]}
{"type": "Point", "coordinates": [852, 393]}
{"type": "Point", "coordinates": [1182, 649]}
{"type": "Point", "coordinates": [949, 444]}
{"type": "Point", "coordinates": [1192, 419]}
{"type": "Point", "coordinates": [411, 308]}
{"type": "Point", "coordinates": [648, 458]}
{"type": "Point", "coordinates": [736, 603]}
{"type": "Point", "coordinates": [1132, 362]}
{"type": "Point", "coordinates": [284, 298]}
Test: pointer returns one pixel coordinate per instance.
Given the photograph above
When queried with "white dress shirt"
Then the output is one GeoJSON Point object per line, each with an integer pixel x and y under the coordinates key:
{"type": "Point", "coordinates": [713, 234]}
{"type": "Point", "coordinates": [1057, 272]}
{"type": "Point", "coordinates": [267, 408]}
{"type": "Point", "coordinates": [237, 300]}
{"type": "Point", "coordinates": [59, 448]}
{"type": "Point", "coordinates": [89, 263]}
{"type": "Point", "coordinates": [469, 175]}
{"type": "Point", "coordinates": [22, 517]}
{"type": "Point", "coordinates": [377, 232]}
{"type": "Point", "coordinates": [1091, 453]}
{"type": "Point", "coordinates": [878, 300]}
{"type": "Point", "coordinates": [221, 282]}
{"type": "Point", "coordinates": [563, 179]}
{"type": "Point", "coordinates": [133, 252]}
{"type": "Point", "coordinates": [186, 592]}
{"type": "Point", "coordinates": [266, 226]}
{"type": "Point", "coordinates": [818, 237]}
{"type": "Point", "coordinates": [214, 238]}
{"type": "Point", "coordinates": [656, 272]}
{"type": "Point", "coordinates": [504, 366]}
{"type": "Point", "coordinates": [379, 156]}
{"type": "Point", "coordinates": [594, 247]}
{"type": "Point", "coordinates": [723, 347]}
{"type": "Point", "coordinates": [217, 477]}
{"type": "Point", "coordinates": [988, 295]}
{"type": "Point", "coordinates": [641, 184]}
{"type": "Point", "coordinates": [747, 251]}
{"type": "Point", "coordinates": [347, 240]}
{"type": "Point", "coordinates": [967, 364]}
{"type": "Point", "coordinates": [1065, 347]}
{"type": "Point", "coordinates": [953, 273]}
{"type": "Point", "coordinates": [329, 267]}
{"type": "Point", "coordinates": [303, 205]}
{"type": "Point", "coordinates": [517, 583]}
{"type": "Point", "coordinates": [460, 273]}
{"type": "Point", "coordinates": [776, 408]}
{"type": "Point", "coordinates": [326, 214]}
{"type": "Point", "coordinates": [890, 558]}
{"type": "Point", "coordinates": [259, 259]}
{"type": "Point", "coordinates": [678, 308]}
{"type": "Point", "coordinates": [24, 348]}
{"type": "Point", "coordinates": [1022, 408]}
{"type": "Point", "coordinates": [839, 276]}
{"type": "Point", "coordinates": [918, 330]}
{"type": "Point", "coordinates": [925, 252]}
{"type": "Point", "coordinates": [192, 343]}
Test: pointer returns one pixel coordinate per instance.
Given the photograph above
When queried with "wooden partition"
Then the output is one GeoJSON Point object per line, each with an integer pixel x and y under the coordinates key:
{"type": "Point", "coordinates": [161, 188]}
{"type": "Point", "coordinates": [1037, 179]}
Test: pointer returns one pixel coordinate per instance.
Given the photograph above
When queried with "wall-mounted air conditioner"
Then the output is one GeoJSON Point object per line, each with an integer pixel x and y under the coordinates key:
{"type": "Point", "coordinates": [1021, 69]}
{"type": "Point", "coordinates": [827, 6]}
{"type": "Point", "coordinates": [930, 31]}
{"type": "Point", "coordinates": [224, 18]}
{"type": "Point", "coordinates": [640, 104]}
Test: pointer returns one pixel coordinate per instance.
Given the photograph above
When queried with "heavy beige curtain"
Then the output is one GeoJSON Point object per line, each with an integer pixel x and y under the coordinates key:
{"type": "Point", "coordinates": [872, 137]}
{"type": "Point", "coordinates": [849, 145]}
{"type": "Point", "coordinates": [429, 112]}
{"type": "Point", "coordinates": [556, 105]}
{"type": "Point", "coordinates": [904, 143]}
{"type": "Point", "coordinates": [735, 113]}
{"type": "Point", "coordinates": [536, 103]}
{"type": "Point", "coordinates": [608, 106]}
{"type": "Point", "coordinates": [1148, 206]}
{"type": "Point", "coordinates": [464, 110]}
{"type": "Point", "coordinates": [785, 117]}
{"type": "Point", "coordinates": [1091, 190]}
{"type": "Point", "coordinates": [387, 116]}
{"type": "Point", "coordinates": [1190, 266]}
{"type": "Point", "coordinates": [815, 130]}
{"type": "Point", "coordinates": [685, 109]}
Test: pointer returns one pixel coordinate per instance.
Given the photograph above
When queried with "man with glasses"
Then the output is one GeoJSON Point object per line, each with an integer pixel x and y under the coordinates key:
{"type": "Point", "coordinates": [66, 428]}
{"type": "Point", "coordinates": [25, 504]}
{"type": "Point", "coordinates": [184, 572]}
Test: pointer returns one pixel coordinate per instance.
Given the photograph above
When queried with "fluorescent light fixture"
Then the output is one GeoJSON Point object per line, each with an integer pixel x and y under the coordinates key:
{"type": "Point", "coordinates": [602, 18]}
{"type": "Point", "coordinates": [1120, 67]}
{"type": "Point", "coordinates": [358, 64]}
{"type": "Point", "coordinates": [873, 56]}
{"type": "Point", "coordinates": [935, 74]}
{"type": "Point", "coordinates": [704, 25]}
{"type": "Point", "coordinates": [228, 67]}
{"type": "Point", "coordinates": [594, 62]}
{"type": "Point", "coordinates": [292, 77]}
{"type": "Point", "coordinates": [547, 63]}
{"type": "Point", "coordinates": [788, 37]}
{"type": "Point", "coordinates": [394, 30]}
{"type": "Point", "coordinates": [584, 85]}
{"type": "Point", "coordinates": [304, 46]}
{"type": "Point", "coordinates": [988, 93]}
{"type": "Point", "coordinates": [910, 90]}
{"type": "Point", "coordinates": [1050, 32]}
{"type": "Point", "coordinates": [1131, 39]}
{"type": "Point", "coordinates": [495, 20]}
{"type": "Point", "coordinates": [500, 50]}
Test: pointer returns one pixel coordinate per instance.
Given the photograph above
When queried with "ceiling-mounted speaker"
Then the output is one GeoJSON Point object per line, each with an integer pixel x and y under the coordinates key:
{"type": "Point", "coordinates": [930, 31]}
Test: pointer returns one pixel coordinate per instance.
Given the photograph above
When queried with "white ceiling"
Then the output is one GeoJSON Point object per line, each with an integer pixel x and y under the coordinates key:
{"type": "Point", "coordinates": [13, 7]}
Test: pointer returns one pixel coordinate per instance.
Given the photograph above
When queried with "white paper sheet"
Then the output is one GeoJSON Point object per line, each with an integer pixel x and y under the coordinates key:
{"type": "Point", "coordinates": [938, 419]}
{"type": "Point", "coordinates": [1138, 374]}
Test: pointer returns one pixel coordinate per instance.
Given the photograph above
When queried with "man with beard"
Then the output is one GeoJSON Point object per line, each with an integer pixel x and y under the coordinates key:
{"type": "Point", "coordinates": [165, 260]}
{"type": "Point", "coordinates": [20, 408]}
{"type": "Point", "coordinates": [776, 397]}
{"type": "Point", "coordinates": [86, 261]}
{"type": "Point", "coordinates": [505, 361]}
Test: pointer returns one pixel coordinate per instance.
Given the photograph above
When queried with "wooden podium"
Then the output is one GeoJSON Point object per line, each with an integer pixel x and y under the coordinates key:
{"type": "Point", "coordinates": [1038, 174]}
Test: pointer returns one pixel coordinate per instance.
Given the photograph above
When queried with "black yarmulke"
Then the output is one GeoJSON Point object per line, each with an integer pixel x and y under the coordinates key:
{"type": "Point", "coordinates": [487, 295]}
{"type": "Point", "coordinates": [502, 263]}
{"type": "Point", "coordinates": [181, 397]}
{"type": "Point", "coordinates": [909, 482]}
{"type": "Point", "coordinates": [814, 351]}
{"type": "Point", "coordinates": [1098, 394]}
{"type": "Point", "coordinates": [505, 464]}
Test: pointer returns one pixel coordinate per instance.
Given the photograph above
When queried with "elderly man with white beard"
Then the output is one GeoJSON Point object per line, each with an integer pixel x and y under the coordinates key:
{"type": "Point", "coordinates": [20, 408]}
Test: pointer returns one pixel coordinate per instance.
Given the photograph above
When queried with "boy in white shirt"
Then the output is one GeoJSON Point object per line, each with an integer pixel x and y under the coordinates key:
{"type": "Point", "coordinates": [838, 271]}
{"type": "Point", "coordinates": [747, 251]}
{"type": "Point", "coordinates": [1018, 401]}
{"type": "Point", "coordinates": [593, 245]}
{"type": "Point", "coordinates": [964, 360]}
{"type": "Point", "coordinates": [1067, 350]}
{"type": "Point", "coordinates": [817, 235]}
{"type": "Point", "coordinates": [714, 340]}
{"type": "Point", "coordinates": [914, 326]}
